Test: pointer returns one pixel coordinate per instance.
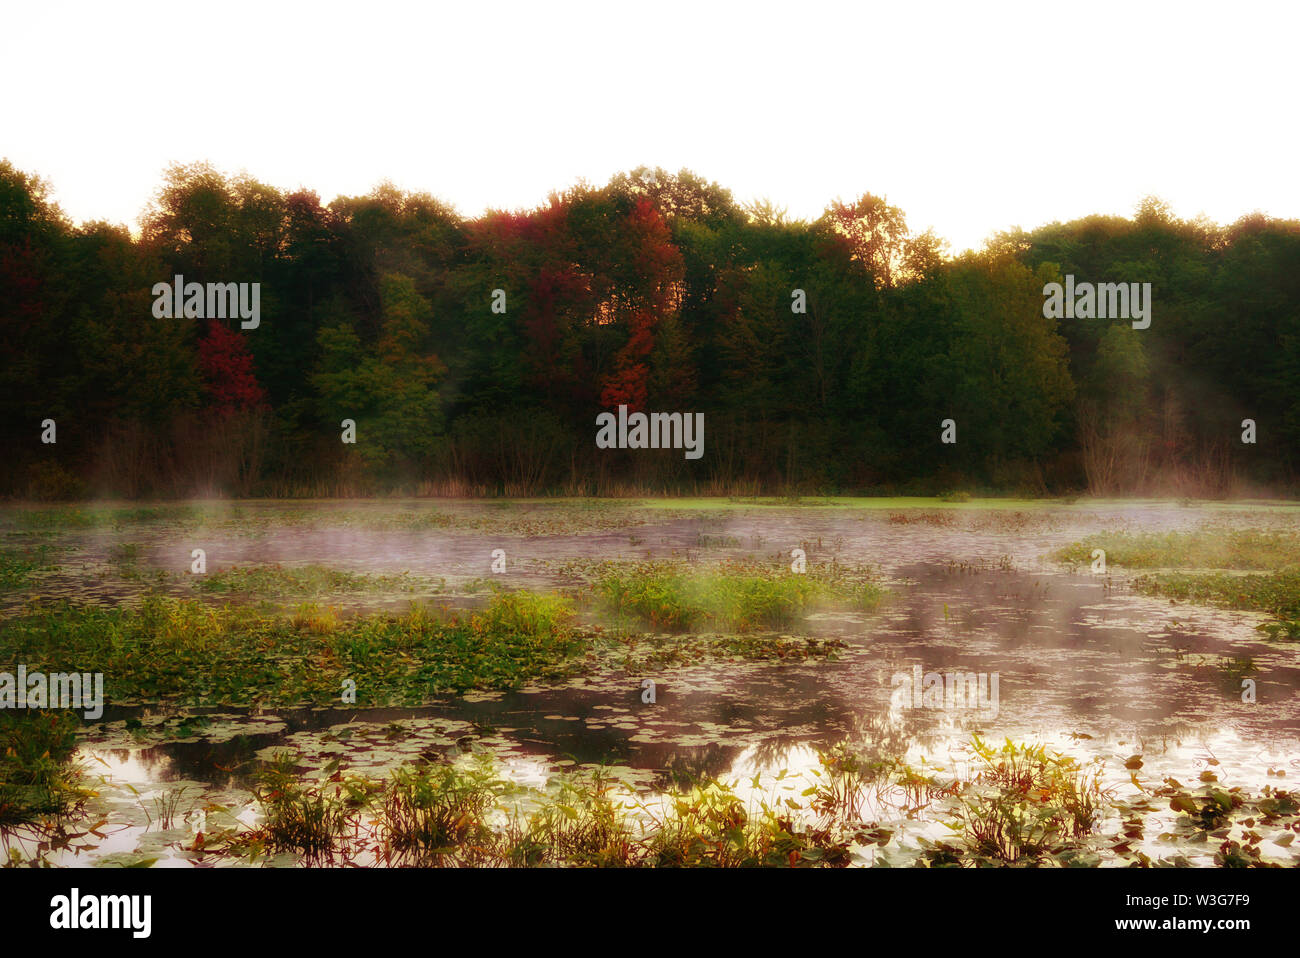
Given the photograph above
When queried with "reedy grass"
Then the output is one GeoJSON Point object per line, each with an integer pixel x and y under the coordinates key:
{"type": "Point", "coordinates": [279, 580]}
{"type": "Point", "coordinates": [1277, 592]}
{"type": "Point", "coordinates": [19, 565]}
{"type": "Point", "coordinates": [1254, 570]}
{"type": "Point", "coordinates": [1207, 548]}
{"type": "Point", "coordinates": [1026, 802]}
{"type": "Point", "coordinates": [302, 817]}
{"type": "Point", "coordinates": [734, 596]}
{"type": "Point", "coordinates": [1021, 804]}
{"type": "Point", "coordinates": [37, 777]}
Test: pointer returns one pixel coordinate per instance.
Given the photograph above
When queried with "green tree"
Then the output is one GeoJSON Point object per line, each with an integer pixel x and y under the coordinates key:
{"type": "Point", "coordinates": [389, 387]}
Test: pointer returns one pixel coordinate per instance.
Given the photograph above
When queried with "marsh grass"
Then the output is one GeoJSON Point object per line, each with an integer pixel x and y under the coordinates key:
{"type": "Point", "coordinates": [434, 812]}
{"type": "Point", "coordinates": [1254, 570]}
{"type": "Point", "coordinates": [188, 652]}
{"type": "Point", "coordinates": [310, 617]}
{"type": "Point", "coordinates": [1021, 804]}
{"type": "Point", "coordinates": [463, 813]}
{"type": "Point", "coordinates": [302, 817]}
{"type": "Point", "coordinates": [167, 807]}
{"type": "Point", "coordinates": [585, 824]}
{"type": "Point", "coordinates": [279, 580]}
{"type": "Point", "coordinates": [735, 596]}
{"type": "Point", "coordinates": [20, 566]}
{"type": "Point", "coordinates": [1277, 593]}
{"type": "Point", "coordinates": [1026, 802]}
{"type": "Point", "coordinates": [1207, 548]}
{"type": "Point", "coordinates": [672, 601]}
{"type": "Point", "coordinates": [37, 776]}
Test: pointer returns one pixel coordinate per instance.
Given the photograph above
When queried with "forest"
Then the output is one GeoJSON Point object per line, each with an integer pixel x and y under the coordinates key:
{"type": "Point", "coordinates": [474, 355]}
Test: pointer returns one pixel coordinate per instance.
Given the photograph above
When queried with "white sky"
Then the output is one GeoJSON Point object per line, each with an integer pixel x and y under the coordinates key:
{"type": "Point", "coordinates": [972, 117]}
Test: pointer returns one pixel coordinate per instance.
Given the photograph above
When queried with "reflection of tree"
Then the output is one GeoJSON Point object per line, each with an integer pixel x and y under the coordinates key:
{"type": "Point", "coordinates": [683, 767]}
{"type": "Point", "coordinates": [771, 753]}
{"type": "Point", "coordinates": [221, 764]}
{"type": "Point", "coordinates": [878, 735]}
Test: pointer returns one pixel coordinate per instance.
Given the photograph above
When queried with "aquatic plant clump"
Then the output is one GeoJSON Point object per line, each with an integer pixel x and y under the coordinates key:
{"type": "Point", "coordinates": [186, 652]}
{"type": "Point", "coordinates": [37, 776]}
{"type": "Point", "coordinates": [1206, 548]}
{"type": "Point", "coordinates": [740, 597]}
{"type": "Point", "coordinates": [1027, 802]}
{"type": "Point", "coordinates": [21, 566]}
{"type": "Point", "coordinates": [1020, 803]}
{"type": "Point", "coordinates": [298, 580]}
{"type": "Point", "coordinates": [1277, 593]}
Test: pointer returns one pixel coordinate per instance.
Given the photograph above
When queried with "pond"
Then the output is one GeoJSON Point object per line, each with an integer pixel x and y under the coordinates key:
{"type": "Point", "coordinates": [1069, 658]}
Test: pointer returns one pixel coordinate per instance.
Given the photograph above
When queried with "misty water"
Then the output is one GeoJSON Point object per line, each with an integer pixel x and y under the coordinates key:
{"type": "Point", "coordinates": [1083, 663]}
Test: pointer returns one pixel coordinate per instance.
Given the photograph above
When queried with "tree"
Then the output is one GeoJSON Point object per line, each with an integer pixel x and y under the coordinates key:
{"type": "Point", "coordinates": [388, 388]}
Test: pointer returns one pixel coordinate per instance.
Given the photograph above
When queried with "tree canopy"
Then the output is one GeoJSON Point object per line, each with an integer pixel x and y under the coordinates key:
{"type": "Point", "coordinates": [477, 352]}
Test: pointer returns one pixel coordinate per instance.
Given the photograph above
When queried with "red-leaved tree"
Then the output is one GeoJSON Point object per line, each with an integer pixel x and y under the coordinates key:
{"type": "Point", "coordinates": [227, 368]}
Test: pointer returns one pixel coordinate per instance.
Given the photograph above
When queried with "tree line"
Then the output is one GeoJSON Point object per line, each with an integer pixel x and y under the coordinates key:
{"type": "Point", "coordinates": [473, 355]}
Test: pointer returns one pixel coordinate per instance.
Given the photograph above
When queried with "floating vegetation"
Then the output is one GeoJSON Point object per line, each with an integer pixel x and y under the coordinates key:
{"type": "Point", "coordinates": [279, 580]}
{"type": "Point", "coordinates": [20, 566]}
{"type": "Point", "coordinates": [1206, 548]}
{"type": "Point", "coordinates": [946, 519]}
{"type": "Point", "coordinates": [976, 566]}
{"type": "Point", "coordinates": [638, 652]}
{"type": "Point", "coordinates": [1277, 593]}
{"type": "Point", "coordinates": [185, 652]}
{"type": "Point", "coordinates": [708, 541]}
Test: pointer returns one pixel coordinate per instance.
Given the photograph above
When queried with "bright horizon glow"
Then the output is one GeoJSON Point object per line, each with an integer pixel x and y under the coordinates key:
{"type": "Point", "coordinates": [972, 119]}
